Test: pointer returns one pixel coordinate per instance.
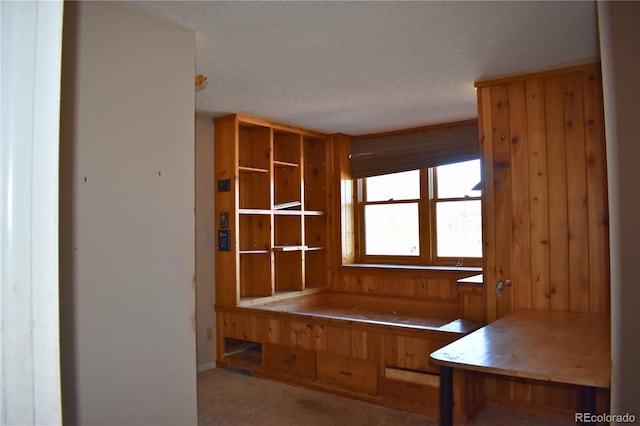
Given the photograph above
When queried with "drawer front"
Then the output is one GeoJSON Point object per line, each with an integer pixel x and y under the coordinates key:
{"type": "Point", "coordinates": [294, 361]}
{"type": "Point", "coordinates": [347, 373]}
{"type": "Point", "coordinates": [413, 386]}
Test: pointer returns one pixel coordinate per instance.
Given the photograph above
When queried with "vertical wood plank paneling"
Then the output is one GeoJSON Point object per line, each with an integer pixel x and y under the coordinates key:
{"type": "Point", "coordinates": [578, 228]}
{"type": "Point", "coordinates": [285, 333]}
{"type": "Point", "coordinates": [269, 330]}
{"type": "Point", "coordinates": [432, 288]}
{"type": "Point", "coordinates": [393, 286]}
{"type": "Point", "coordinates": [557, 171]}
{"type": "Point", "coordinates": [422, 284]}
{"type": "Point", "coordinates": [538, 193]}
{"type": "Point", "coordinates": [562, 396]}
{"type": "Point", "coordinates": [597, 192]}
{"type": "Point", "coordinates": [302, 335]}
{"type": "Point", "coordinates": [485, 136]}
{"type": "Point", "coordinates": [343, 202]}
{"type": "Point", "coordinates": [521, 277]}
{"type": "Point", "coordinates": [444, 289]}
{"type": "Point", "coordinates": [522, 390]}
{"type": "Point", "coordinates": [225, 153]}
{"type": "Point", "coordinates": [377, 284]}
{"type": "Point", "coordinates": [502, 204]}
{"type": "Point", "coordinates": [523, 285]}
{"type": "Point", "coordinates": [359, 344]}
{"type": "Point", "coordinates": [419, 286]}
{"type": "Point", "coordinates": [320, 337]}
{"type": "Point", "coordinates": [502, 192]}
{"type": "Point", "coordinates": [339, 340]}
{"type": "Point", "coordinates": [539, 205]}
{"type": "Point", "coordinates": [374, 349]}
{"type": "Point", "coordinates": [330, 197]}
{"type": "Point", "coordinates": [390, 350]}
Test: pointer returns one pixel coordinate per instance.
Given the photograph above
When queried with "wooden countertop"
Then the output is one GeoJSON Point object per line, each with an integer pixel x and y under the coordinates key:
{"type": "Point", "coordinates": [564, 347]}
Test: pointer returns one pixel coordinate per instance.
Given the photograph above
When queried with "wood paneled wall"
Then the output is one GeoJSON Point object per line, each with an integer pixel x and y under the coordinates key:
{"type": "Point", "coordinates": [400, 283]}
{"type": "Point", "coordinates": [425, 284]}
{"type": "Point", "coordinates": [545, 203]}
{"type": "Point", "coordinates": [546, 214]}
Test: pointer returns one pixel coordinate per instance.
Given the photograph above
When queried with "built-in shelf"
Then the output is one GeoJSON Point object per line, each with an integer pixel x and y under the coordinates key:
{"type": "Point", "coordinates": [289, 205]}
{"type": "Point", "coordinates": [285, 164]}
{"type": "Point", "coordinates": [254, 211]}
{"type": "Point", "coordinates": [290, 248]}
{"type": "Point", "coordinates": [252, 169]}
{"type": "Point", "coordinates": [278, 209]}
{"type": "Point", "coordinates": [253, 251]}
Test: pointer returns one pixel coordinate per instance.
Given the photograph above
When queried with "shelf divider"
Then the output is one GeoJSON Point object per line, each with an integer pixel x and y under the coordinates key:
{"type": "Point", "coordinates": [290, 248]}
{"type": "Point", "coordinates": [246, 169]}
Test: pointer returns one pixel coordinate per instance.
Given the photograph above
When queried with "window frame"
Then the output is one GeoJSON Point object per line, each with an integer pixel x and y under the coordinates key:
{"type": "Point", "coordinates": [426, 224]}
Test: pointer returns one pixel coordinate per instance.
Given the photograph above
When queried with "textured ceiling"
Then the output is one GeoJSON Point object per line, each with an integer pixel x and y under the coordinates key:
{"type": "Point", "coordinates": [362, 67]}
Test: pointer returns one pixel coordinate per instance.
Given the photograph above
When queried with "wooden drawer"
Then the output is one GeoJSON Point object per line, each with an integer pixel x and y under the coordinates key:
{"type": "Point", "coordinates": [295, 361]}
{"type": "Point", "coordinates": [411, 385]}
{"type": "Point", "coordinates": [347, 373]}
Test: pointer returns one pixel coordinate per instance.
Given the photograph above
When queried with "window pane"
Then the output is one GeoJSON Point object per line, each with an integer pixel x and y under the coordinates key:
{"type": "Point", "coordinates": [459, 228]}
{"type": "Point", "coordinates": [392, 229]}
{"type": "Point", "coordinates": [394, 186]}
{"type": "Point", "coordinates": [456, 180]}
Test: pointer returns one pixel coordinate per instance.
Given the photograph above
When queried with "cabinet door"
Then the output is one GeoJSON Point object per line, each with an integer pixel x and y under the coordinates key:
{"type": "Point", "coordinates": [545, 193]}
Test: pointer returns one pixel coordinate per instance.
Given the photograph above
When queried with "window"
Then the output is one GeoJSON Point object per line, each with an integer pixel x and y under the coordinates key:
{"type": "Point", "coordinates": [425, 217]}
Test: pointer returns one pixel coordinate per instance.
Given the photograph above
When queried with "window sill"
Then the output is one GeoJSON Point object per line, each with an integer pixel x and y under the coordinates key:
{"type": "Point", "coordinates": [387, 267]}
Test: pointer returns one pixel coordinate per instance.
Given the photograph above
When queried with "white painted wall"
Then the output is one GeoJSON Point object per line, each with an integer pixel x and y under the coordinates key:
{"type": "Point", "coordinates": [31, 38]}
{"type": "Point", "coordinates": [127, 219]}
{"type": "Point", "coordinates": [205, 243]}
{"type": "Point", "coordinates": [619, 45]}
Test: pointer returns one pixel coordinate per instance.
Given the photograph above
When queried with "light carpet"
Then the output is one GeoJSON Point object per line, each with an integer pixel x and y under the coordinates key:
{"type": "Point", "coordinates": [228, 398]}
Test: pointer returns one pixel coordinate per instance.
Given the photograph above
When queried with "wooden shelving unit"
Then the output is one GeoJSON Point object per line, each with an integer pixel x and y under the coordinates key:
{"type": "Point", "coordinates": [277, 203]}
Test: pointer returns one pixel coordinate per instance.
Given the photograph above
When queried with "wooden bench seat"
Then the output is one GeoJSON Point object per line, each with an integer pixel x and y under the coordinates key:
{"type": "Point", "coordinates": [385, 311]}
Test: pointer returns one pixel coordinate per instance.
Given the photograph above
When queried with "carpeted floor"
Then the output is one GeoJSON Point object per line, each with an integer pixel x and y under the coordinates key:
{"type": "Point", "coordinates": [231, 399]}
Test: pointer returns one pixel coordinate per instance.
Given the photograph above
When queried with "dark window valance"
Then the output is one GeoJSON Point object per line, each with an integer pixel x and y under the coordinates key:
{"type": "Point", "coordinates": [430, 146]}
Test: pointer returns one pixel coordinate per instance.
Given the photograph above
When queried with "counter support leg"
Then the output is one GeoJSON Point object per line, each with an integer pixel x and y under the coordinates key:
{"type": "Point", "coordinates": [587, 401]}
{"type": "Point", "coordinates": [446, 396]}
